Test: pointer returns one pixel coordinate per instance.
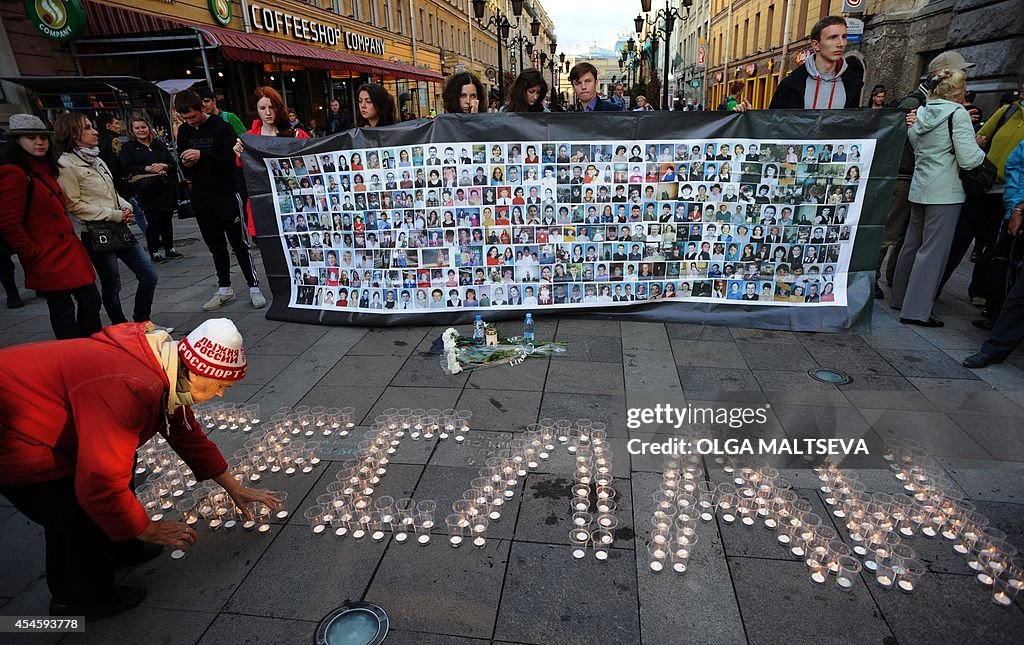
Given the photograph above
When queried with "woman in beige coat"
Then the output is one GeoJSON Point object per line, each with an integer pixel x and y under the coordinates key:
{"type": "Point", "coordinates": [92, 197]}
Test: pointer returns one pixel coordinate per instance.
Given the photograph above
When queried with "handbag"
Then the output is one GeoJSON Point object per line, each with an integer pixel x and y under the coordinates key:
{"type": "Point", "coordinates": [110, 236]}
{"type": "Point", "coordinates": [147, 182]}
{"type": "Point", "coordinates": [977, 180]}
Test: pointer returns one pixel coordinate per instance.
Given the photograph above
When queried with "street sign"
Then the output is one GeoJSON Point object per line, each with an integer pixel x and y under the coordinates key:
{"type": "Point", "coordinates": [694, 83]}
{"type": "Point", "coordinates": [854, 27]}
{"type": "Point", "coordinates": [854, 38]}
{"type": "Point", "coordinates": [702, 55]}
{"type": "Point", "coordinates": [853, 6]}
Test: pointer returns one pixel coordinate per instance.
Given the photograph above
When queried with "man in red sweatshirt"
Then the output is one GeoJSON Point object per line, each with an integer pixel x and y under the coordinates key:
{"type": "Point", "coordinates": [73, 413]}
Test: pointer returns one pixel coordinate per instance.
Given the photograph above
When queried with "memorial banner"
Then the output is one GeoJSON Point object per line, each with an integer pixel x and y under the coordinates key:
{"type": "Point", "coordinates": [765, 219]}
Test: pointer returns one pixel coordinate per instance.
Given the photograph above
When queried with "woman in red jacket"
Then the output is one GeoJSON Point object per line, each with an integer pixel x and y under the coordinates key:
{"type": "Point", "coordinates": [34, 220]}
{"type": "Point", "coordinates": [273, 122]}
{"type": "Point", "coordinates": [72, 415]}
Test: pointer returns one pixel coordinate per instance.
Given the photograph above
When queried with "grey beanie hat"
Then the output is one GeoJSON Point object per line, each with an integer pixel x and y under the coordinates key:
{"type": "Point", "coordinates": [24, 124]}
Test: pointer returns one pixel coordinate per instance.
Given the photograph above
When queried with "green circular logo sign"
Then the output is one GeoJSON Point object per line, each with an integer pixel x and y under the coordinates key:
{"type": "Point", "coordinates": [695, 83]}
{"type": "Point", "coordinates": [221, 11]}
{"type": "Point", "coordinates": [60, 20]}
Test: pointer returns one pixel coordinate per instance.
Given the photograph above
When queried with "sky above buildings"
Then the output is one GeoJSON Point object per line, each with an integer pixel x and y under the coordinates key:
{"type": "Point", "coordinates": [580, 24]}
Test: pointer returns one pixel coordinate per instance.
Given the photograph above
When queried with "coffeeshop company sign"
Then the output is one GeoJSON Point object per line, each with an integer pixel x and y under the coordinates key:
{"type": "Point", "coordinates": [281, 22]}
{"type": "Point", "coordinates": [60, 20]}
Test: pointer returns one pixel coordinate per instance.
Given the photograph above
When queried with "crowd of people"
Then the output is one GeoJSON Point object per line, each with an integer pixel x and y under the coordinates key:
{"type": "Point", "coordinates": [73, 411]}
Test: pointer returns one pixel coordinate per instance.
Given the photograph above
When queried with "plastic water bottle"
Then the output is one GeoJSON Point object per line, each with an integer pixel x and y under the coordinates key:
{"type": "Point", "coordinates": [478, 330]}
{"type": "Point", "coordinates": [528, 328]}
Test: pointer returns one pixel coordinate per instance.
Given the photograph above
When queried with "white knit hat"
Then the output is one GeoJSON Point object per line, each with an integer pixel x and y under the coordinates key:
{"type": "Point", "coordinates": [214, 350]}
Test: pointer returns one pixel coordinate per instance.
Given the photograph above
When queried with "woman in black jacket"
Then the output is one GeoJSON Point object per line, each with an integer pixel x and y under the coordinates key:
{"type": "Point", "coordinates": [152, 176]}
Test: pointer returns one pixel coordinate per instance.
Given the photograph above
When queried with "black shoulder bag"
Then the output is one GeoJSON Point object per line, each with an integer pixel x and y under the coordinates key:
{"type": "Point", "coordinates": [977, 180]}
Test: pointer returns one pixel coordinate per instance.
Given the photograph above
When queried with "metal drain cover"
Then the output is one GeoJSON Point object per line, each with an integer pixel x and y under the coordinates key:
{"type": "Point", "coordinates": [826, 375]}
{"type": "Point", "coordinates": [354, 623]}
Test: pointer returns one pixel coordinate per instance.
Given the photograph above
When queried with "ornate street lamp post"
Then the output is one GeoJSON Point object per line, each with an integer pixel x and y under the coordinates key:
{"type": "Point", "coordinates": [502, 27]}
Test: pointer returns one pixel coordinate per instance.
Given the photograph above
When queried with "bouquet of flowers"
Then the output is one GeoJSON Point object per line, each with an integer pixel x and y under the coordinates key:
{"type": "Point", "coordinates": [462, 353]}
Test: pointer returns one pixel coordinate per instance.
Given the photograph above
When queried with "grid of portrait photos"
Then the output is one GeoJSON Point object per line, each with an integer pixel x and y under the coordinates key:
{"type": "Point", "coordinates": [444, 226]}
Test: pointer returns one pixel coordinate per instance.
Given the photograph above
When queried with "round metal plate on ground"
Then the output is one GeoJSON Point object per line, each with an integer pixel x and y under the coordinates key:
{"type": "Point", "coordinates": [354, 623]}
{"type": "Point", "coordinates": [826, 375]}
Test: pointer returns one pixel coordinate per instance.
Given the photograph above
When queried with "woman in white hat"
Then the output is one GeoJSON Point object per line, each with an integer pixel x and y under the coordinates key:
{"type": "Point", "coordinates": [35, 223]}
{"type": "Point", "coordinates": [73, 413]}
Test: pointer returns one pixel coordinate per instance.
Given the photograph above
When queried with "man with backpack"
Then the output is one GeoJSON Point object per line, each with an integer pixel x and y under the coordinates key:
{"type": "Point", "coordinates": [734, 102]}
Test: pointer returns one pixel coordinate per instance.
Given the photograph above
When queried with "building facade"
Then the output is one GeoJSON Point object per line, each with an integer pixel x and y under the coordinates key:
{"type": "Point", "coordinates": [312, 51]}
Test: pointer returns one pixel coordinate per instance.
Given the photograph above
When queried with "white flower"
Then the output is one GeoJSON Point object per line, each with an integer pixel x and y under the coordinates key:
{"type": "Point", "coordinates": [453, 363]}
{"type": "Point", "coordinates": [450, 335]}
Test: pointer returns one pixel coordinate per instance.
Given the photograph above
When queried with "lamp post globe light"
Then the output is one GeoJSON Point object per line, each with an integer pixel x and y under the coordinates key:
{"type": "Point", "coordinates": [522, 41]}
{"type": "Point", "coordinates": [668, 17]}
{"type": "Point", "coordinates": [502, 26]}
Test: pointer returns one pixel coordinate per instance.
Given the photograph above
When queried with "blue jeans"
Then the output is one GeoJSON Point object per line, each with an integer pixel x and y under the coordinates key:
{"type": "Point", "coordinates": [140, 215]}
{"type": "Point", "coordinates": [137, 260]}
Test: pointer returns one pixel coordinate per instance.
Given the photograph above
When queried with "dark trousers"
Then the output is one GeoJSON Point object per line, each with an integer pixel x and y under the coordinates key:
{"type": "Point", "coordinates": [77, 551]}
{"type": "Point", "coordinates": [7, 269]}
{"type": "Point", "coordinates": [136, 259]}
{"type": "Point", "coordinates": [160, 231]}
{"type": "Point", "coordinates": [979, 221]}
{"type": "Point", "coordinates": [220, 223]}
{"type": "Point", "coordinates": [1009, 328]}
{"type": "Point", "coordinates": [66, 322]}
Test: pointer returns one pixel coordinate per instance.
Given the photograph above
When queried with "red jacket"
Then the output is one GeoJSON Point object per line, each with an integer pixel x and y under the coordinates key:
{"type": "Point", "coordinates": [44, 238]}
{"type": "Point", "coordinates": [257, 128]}
{"type": "Point", "coordinates": [82, 407]}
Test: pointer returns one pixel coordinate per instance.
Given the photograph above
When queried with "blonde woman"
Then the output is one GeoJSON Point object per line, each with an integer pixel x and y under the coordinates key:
{"type": "Point", "coordinates": [936, 196]}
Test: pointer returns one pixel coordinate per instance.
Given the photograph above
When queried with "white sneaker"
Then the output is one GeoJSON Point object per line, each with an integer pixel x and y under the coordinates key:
{"type": "Point", "coordinates": [218, 300]}
{"type": "Point", "coordinates": [258, 300]}
{"type": "Point", "coordinates": [157, 327]}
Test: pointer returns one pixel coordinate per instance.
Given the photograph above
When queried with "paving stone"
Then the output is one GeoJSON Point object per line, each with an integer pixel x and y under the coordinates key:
{"type": "Point", "coordinates": [365, 371]}
{"type": "Point", "coordinates": [798, 388]}
{"type": "Point", "coordinates": [781, 357]}
{"type": "Point", "coordinates": [897, 338]}
{"type": "Point", "coordinates": [588, 327]}
{"type": "Point", "coordinates": [778, 598]}
{"type": "Point", "coordinates": [1009, 518]}
{"type": "Point", "coordinates": [305, 576]}
{"type": "Point", "coordinates": [23, 559]}
{"type": "Point", "coordinates": [402, 637]}
{"type": "Point", "coordinates": [934, 430]}
{"type": "Point", "coordinates": [949, 609]}
{"type": "Point", "coordinates": [689, 331]}
{"type": "Point", "coordinates": [585, 377]}
{"type": "Point", "coordinates": [987, 480]}
{"type": "Point", "coordinates": [707, 353]}
{"type": "Point", "coordinates": [363, 399]}
{"type": "Point", "coordinates": [1000, 436]}
{"type": "Point", "coordinates": [288, 342]}
{"type": "Point", "coordinates": [857, 360]}
{"type": "Point", "coordinates": [757, 541]}
{"type": "Point", "coordinates": [602, 349]}
{"type": "Point", "coordinates": [471, 452]}
{"type": "Point", "coordinates": [446, 485]}
{"type": "Point", "coordinates": [438, 588]}
{"type": "Point", "coordinates": [700, 603]}
{"type": "Point", "coordinates": [772, 336]}
{"type": "Point", "coordinates": [425, 398]}
{"type": "Point", "coordinates": [650, 370]}
{"type": "Point", "coordinates": [394, 341]}
{"type": "Point", "coordinates": [424, 370]}
{"type": "Point", "coordinates": [161, 626]}
{"type": "Point", "coordinates": [545, 514]}
{"type": "Point", "coordinates": [607, 408]}
{"type": "Point", "coordinates": [711, 384]}
{"type": "Point", "coordinates": [981, 403]}
{"type": "Point", "coordinates": [258, 630]}
{"type": "Point", "coordinates": [813, 422]}
{"type": "Point", "coordinates": [529, 375]}
{"type": "Point", "coordinates": [590, 601]}
{"type": "Point", "coordinates": [644, 336]}
{"type": "Point", "coordinates": [925, 363]}
{"type": "Point", "coordinates": [885, 393]}
{"type": "Point", "coordinates": [500, 410]}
